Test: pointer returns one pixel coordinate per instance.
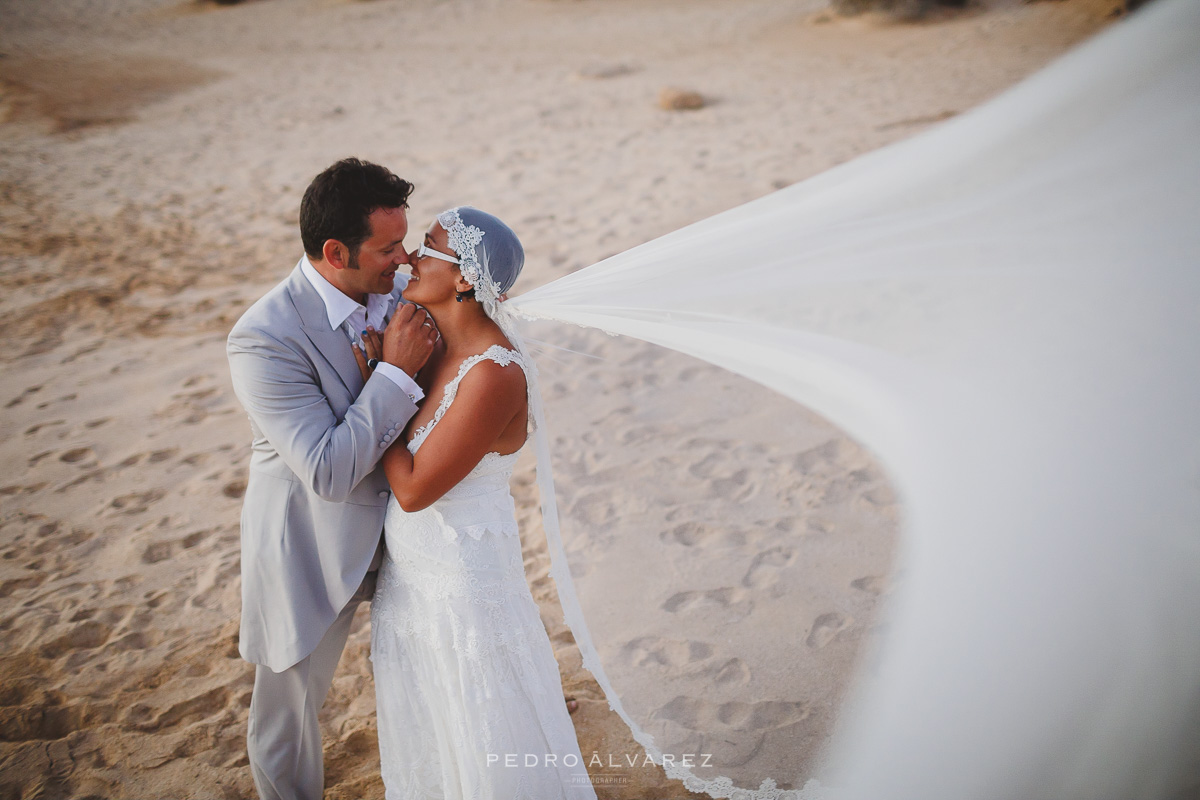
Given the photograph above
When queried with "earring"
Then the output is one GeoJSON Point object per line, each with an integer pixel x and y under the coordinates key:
{"type": "Point", "coordinates": [458, 297]}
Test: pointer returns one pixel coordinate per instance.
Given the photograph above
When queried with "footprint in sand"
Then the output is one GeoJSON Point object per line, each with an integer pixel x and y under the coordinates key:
{"type": "Point", "coordinates": [826, 628]}
{"type": "Point", "coordinates": [595, 508]}
{"type": "Point", "coordinates": [66, 398]}
{"type": "Point", "coordinates": [55, 542]}
{"type": "Point", "coordinates": [727, 597]}
{"type": "Point", "coordinates": [155, 599]}
{"type": "Point", "coordinates": [638, 434]}
{"type": "Point", "coordinates": [707, 466]}
{"type": "Point", "coordinates": [161, 551]}
{"type": "Point", "coordinates": [85, 457]}
{"type": "Point", "coordinates": [819, 459]}
{"type": "Point", "coordinates": [871, 584]}
{"type": "Point", "coordinates": [880, 496]}
{"type": "Point", "coordinates": [192, 407]}
{"type": "Point", "coordinates": [764, 569]}
{"type": "Point", "coordinates": [733, 672]}
{"type": "Point", "coordinates": [77, 454]}
{"type": "Point", "coordinates": [90, 475]}
{"type": "Point", "coordinates": [33, 460]}
{"type": "Point", "coordinates": [141, 717]}
{"type": "Point", "coordinates": [52, 721]}
{"type": "Point", "coordinates": [33, 429]}
{"type": "Point", "coordinates": [136, 502]}
{"type": "Point", "coordinates": [135, 640]}
{"type": "Point", "coordinates": [697, 534]}
{"type": "Point", "coordinates": [23, 396]}
{"type": "Point", "coordinates": [158, 456]}
{"type": "Point", "coordinates": [86, 636]}
{"type": "Point", "coordinates": [15, 489]}
{"type": "Point", "coordinates": [703, 715]}
{"type": "Point", "coordinates": [10, 587]}
{"type": "Point", "coordinates": [152, 457]}
{"type": "Point", "coordinates": [734, 486]}
{"type": "Point", "coordinates": [647, 650]}
{"type": "Point", "coordinates": [217, 585]}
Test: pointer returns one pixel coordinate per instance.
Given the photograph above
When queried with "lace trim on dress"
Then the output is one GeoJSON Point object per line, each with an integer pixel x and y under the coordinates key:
{"type": "Point", "coordinates": [501, 355]}
{"type": "Point", "coordinates": [491, 473]}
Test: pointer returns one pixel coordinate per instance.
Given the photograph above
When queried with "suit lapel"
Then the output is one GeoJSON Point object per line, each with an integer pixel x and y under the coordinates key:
{"type": "Point", "coordinates": [333, 345]}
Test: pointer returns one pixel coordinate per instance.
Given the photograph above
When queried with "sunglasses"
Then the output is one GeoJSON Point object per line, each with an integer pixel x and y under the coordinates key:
{"type": "Point", "coordinates": [424, 251]}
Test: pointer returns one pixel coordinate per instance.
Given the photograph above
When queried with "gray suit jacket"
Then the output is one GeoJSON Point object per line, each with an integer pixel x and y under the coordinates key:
{"type": "Point", "coordinates": [315, 499]}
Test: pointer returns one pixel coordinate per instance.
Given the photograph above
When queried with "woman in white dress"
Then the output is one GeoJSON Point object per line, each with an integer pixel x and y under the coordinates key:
{"type": "Point", "coordinates": [469, 698]}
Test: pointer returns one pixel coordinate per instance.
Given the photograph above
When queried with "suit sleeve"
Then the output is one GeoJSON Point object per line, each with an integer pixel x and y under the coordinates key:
{"type": "Point", "coordinates": [278, 388]}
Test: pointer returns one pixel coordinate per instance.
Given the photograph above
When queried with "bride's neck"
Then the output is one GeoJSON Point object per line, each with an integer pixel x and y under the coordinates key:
{"type": "Point", "coordinates": [463, 327]}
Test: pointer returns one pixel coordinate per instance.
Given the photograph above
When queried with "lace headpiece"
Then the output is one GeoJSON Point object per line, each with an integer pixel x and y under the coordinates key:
{"type": "Point", "coordinates": [491, 258]}
{"type": "Point", "coordinates": [490, 268]}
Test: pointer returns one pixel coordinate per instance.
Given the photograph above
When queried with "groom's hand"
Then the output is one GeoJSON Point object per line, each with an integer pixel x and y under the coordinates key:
{"type": "Point", "coordinates": [409, 338]}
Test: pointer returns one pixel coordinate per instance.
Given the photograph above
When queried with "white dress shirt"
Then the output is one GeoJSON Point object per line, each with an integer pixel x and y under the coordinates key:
{"type": "Point", "coordinates": [353, 318]}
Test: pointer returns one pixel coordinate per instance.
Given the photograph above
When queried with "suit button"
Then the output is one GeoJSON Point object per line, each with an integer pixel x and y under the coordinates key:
{"type": "Point", "coordinates": [383, 494]}
{"type": "Point", "coordinates": [392, 430]}
{"type": "Point", "coordinates": [387, 438]}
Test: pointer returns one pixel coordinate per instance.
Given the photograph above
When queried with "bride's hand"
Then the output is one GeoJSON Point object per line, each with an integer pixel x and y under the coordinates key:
{"type": "Point", "coordinates": [363, 367]}
{"type": "Point", "coordinates": [373, 344]}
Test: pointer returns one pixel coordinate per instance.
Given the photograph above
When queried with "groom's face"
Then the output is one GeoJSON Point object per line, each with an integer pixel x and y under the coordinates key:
{"type": "Point", "coordinates": [373, 268]}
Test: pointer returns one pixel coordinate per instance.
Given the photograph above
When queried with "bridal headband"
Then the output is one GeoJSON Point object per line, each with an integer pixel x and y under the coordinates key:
{"type": "Point", "coordinates": [491, 269]}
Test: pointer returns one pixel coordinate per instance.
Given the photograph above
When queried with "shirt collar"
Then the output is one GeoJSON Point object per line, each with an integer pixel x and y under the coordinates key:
{"type": "Point", "coordinates": [338, 307]}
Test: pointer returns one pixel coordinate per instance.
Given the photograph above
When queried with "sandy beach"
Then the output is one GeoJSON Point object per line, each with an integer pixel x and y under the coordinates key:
{"type": "Point", "coordinates": [152, 158]}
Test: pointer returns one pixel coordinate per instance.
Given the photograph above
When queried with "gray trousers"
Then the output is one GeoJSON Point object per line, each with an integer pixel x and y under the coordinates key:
{"type": "Point", "coordinates": [283, 735]}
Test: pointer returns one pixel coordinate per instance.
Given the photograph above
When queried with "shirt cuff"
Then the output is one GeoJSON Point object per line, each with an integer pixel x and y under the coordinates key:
{"type": "Point", "coordinates": [401, 379]}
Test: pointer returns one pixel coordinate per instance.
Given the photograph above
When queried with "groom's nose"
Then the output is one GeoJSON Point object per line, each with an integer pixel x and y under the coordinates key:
{"type": "Point", "coordinates": [403, 257]}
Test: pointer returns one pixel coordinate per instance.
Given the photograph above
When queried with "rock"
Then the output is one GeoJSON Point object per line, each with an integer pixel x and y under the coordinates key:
{"type": "Point", "coordinates": [679, 100]}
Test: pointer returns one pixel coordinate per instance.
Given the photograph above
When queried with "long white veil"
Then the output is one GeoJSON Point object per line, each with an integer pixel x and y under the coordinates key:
{"type": "Point", "coordinates": [1006, 312]}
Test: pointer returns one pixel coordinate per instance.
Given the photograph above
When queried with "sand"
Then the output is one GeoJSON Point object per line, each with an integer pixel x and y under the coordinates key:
{"type": "Point", "coordinates": [152, 157]}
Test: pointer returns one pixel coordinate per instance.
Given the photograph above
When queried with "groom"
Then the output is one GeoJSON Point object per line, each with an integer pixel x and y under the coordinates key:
{"type": "Point", "coordinates": [313, 513]}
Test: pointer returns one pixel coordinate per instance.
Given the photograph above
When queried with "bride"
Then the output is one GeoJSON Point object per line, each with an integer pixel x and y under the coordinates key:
{"type": "Point", "coordinates": [468, 692]}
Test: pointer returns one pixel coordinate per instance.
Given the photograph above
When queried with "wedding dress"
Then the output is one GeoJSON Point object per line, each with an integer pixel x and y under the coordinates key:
{"type": "Point", "coordinates": [468, 693]}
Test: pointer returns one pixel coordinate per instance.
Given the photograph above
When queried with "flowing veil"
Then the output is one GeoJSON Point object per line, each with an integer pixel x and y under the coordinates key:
{"type": "Point", "coordinates": [1005, 311]}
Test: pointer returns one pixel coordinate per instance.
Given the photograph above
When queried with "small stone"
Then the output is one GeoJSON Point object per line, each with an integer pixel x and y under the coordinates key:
{"type": "Point", "coordinates": [670, 99]}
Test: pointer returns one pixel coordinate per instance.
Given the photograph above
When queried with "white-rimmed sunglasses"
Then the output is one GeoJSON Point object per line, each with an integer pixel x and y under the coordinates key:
{"type": "Point", "coordinates": [423, 251]}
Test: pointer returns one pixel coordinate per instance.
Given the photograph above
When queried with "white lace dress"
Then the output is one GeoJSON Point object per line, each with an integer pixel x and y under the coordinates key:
{"type": "Point", "coordinates": [469, 699]}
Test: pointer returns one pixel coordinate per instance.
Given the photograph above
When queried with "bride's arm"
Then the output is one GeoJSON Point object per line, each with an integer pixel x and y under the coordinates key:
{"type": "Point", "coordinates": [488, 398]}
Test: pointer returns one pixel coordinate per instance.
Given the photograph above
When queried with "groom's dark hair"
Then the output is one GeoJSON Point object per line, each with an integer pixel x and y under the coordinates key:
{"type": "Point", "coordinates": [338, 202]}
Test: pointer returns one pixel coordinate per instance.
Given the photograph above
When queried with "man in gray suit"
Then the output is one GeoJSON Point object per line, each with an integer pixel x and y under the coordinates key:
{"type": "Point", "coordinates": [313, 513]}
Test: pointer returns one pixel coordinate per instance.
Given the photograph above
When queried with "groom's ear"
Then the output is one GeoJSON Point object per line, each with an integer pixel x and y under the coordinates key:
{"type": "Point", "coordinates": [335, 253]}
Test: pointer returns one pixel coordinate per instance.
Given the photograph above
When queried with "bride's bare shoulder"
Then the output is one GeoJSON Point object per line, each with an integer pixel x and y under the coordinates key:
{"type": "Point", "coordinates": [498, 375]}
{"type": "Point", "coordinates": [494, 382]}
